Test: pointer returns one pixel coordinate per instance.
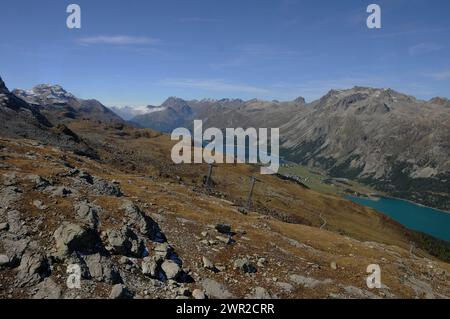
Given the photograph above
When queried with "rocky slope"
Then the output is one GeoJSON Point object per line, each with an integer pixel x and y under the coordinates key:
{"type": "Point", "coordinates": [139, 226]}
{"type": "Point", "coordinates": [61, 106]}
{"type": "Point", "coordinates": [386, 139]}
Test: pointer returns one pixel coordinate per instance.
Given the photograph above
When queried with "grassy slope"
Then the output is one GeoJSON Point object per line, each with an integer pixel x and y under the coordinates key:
{"type": "Point", "coordinates": [184, 210]}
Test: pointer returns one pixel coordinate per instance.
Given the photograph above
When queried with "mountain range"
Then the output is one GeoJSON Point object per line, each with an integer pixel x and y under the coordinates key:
{"type": "Point", "coordinates": [391, 141]}
{"type": "Point", "coordinates": [62, 106]}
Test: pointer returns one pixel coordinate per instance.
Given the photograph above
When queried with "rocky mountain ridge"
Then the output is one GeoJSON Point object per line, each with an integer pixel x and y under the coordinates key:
{"type": "Point", "coordinates": [19, 119]}
{"type": "Point", "coordinates": [61, 106]}
{"type": "Point", "coordinates": [384, 138]}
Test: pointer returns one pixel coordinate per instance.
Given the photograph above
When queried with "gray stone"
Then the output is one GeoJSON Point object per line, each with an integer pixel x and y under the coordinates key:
{"type": "Point", "coordinates": [125, 242]}
{"type": "Point", "coordinates": [87, 213]}
{"type": "Point", "coordinates": [243, 264]}
{"type": "Point", "coordinates": [120, 292]}
{"type": "Point", "coordinates": [124, 260]}
{"type": "Point", "coordinates": [261, 262]}
{"type": "Point", "coordinates": [213, 289]}
{"type": "Point", "coordinates": [333, 265]}
{"type": "Point", "coordinates": [86, 177]}
{"type": "Point", "coordinates": [102, 269]}
{"type": "Point", "coordinates": [4, 226]}
{"type": "Point", "coordinates": [163, 250]}
{"type": "Point", "coordinates": [118, 241]}
{"type": "Point", "coordinates": [104, 187]}
{"type": "Point", "coordinates": [48, 289]}
{"type": "Point", "coordinates": [71, 237]}
{"type": "Point", "coordinates": [10, 179]}
{"type": "Point", "coordinates": [224, 239]}
{"type": "Point", "coordinates": [61, 191]}
{"type": "Point", "coordinates": [141, 222]}
{"type": "Point", "coordinates": [4, 261]}
{"type": "Point", "coordinates": [16, 224]}
{"type": "Point", "coordinates": [32, 269]}
{"type": "Point", "coordinates": [150, 267]}
{"type": "Point", "coordinates": [208, 264]}
{"type": "Point", "coordinates": [186, 292]}
{"type": "Point", "coordinates": [15, 249]}
{"type": "Point", "coordinates": [198, 294]}
{"type": "Point", "coordinates": [309, 282]}
{"type": "Point", "coordinates": [9, 195]}
{"type": "Point", "coordinates": [39, 205]}
{"type": "Point", "coordinates": [260, 293]}
{"type": "Point", "coordinates": [171, 269]}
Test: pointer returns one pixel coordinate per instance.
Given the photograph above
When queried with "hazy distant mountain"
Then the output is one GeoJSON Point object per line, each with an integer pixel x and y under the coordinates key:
{"type": "Point", "coordinates": [61, 106]}
{"type": "Point", "coordinates": [171, 114]}
{"type": "Point", "coordinates": [384, 138]}
{"type": "Point", "coordinates": [222, 113]}
{"type": "Point", "coordinates": [18, 119]}
{"type": "Point", "coordinates": [129, 112]}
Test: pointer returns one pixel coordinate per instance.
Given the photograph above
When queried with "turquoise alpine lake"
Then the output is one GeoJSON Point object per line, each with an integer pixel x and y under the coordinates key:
{"type": "Point", "coordinates": [424, 219]}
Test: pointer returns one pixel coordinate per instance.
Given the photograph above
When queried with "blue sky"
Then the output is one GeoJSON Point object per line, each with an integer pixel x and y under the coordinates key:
{"type": "Point", "coordinates": [140, 52]}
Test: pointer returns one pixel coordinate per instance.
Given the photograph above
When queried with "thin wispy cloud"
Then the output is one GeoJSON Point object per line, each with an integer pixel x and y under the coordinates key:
{"type": "Point", "coordinates": [423, 48]}
{"type": "Point", "coordinates": [439, 76]}
{"type": "Point", "coordinates": [117, 40]}
{"type": "Point", "coordinates": [217, 85]}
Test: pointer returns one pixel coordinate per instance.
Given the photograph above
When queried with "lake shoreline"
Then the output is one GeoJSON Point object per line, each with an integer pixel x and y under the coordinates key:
{"type": "Point", "coordinates": [411, 215]}
{"type": "Point", "coordinates": [377, 197]}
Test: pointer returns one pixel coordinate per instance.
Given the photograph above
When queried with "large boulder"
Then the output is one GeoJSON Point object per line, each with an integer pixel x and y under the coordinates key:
{"type": "Point", "coordinates": [125, 242]}
{"type": "Point", "coordinates": [215, 289]}
{"type": "Point", "coordinates": [151, 266]}
{"type": "Point", "coordinates": [33, 269]}
{"type": "Point", "coordinates": [48, 289]}
{"type": "Point", "coordinates": [140, 221]}
{"type": "Point", "coordinates": [244, 265]}
{"type": "Point", "coordinates": [4, 261]}
{"type": "Point", "coordinates": [88, 213]}
{"type": "Point", "coordinates": [16, 224]}
{"type": "Point", "coordinates": [104, 187]}
{"type": "Point", "coordinates": [119, 291]}
{"type": "Point", "coordinates": [71, 237]}
{"type": "Point", "coordinates": [14, 250]}
{"type": "Point", "coordinates": [102, 269]}
{"type": "Point", "coordinates": [171, 269]}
